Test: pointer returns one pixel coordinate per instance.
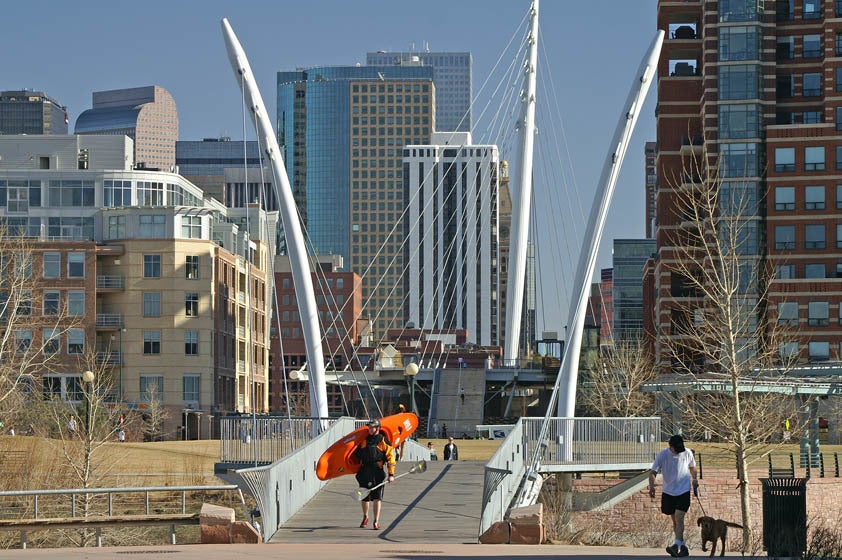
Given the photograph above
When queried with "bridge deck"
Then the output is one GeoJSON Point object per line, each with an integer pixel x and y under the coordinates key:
{"type": "Point", "coordinates": [440, 505]}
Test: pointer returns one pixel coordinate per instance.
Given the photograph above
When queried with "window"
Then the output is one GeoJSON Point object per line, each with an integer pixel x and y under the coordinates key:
{"type": "Point", "coordinates": [839, 236]}
{"type": "Point", "coordinates": [814, 236]}
{"type": "Point", "coordinates": [784, 238]}
{"type": "Point", "coordinates": [812, 9]}
{"type": "Point", "coordinates": [737, 10]}
{"type": "Point", "coordinates": [76, 265]}
{"type": "Point", "coordinates": [151, 387]}
{"type": "Point", "coordinates": [191, 227]}
{"type": "Point", "coordinates": [839, 78]}
{"type": "Point", "coordinates": [117, 193]}
{"type": "Point", "coordinates": [814, 270]}
{"type": "Point", "coordinates": [839, 118]}
{"type": "Point", "coordinates": [191, 267]}
{"type": "Point", "coordinates": [23, 340]}
{"type": "Point", "coordinates": [191, 304]}
{"type": "Point", "coordinates": [151, 226]}
{"type": "Point", "coordinates": [738, 160]}
{"type": "Point", "coordinates": [151, 266]}
{"type": "Point", "coordinates": [784, 271]}
{"type": "Point", "coordinates": [116, 227]}
{"type": "Point", "coordinates": [786, 48]}
{"type": "Point", "coordinates": [75, 341]}
{"type": "Point", "coordinates": [151, 342]}
{"type": "Point", "coordinates": [812, 85]}
{"type": "Point", "coordinates": [812, 46]}
{"type": "Point", "coordinates": [814, 198]}
{"type": "Point", "coordinates": [738, 121]}
{"type": "Point", "coordinates": [52, 265]}
{"type": "Point", "coordinates": [784, 198]}
{"type": "Point", "coordinates": [788, 350]}
{"type": "Point", "coordinates": [738, 43]}
{"type": "Point", "coordinates": [191, 343]}
{"type": "Point", "coordinates": [788, 313]}
{"type": "Point", "coordinates": [52, 339]}
{"type": "Point", "coordinates": [784, 86]}
{"type": "Point", "coordinates": [24, 303]}
{"type": "Point", "coordinates": [52, 302]}
{"type": "Point", "coordinates": [818, 314]}
{"type": "Point", "coordinates": [839, 272]}
{"type": "Point", "coordinates": [150, 193]}
{"type": "Point", "coordinates": [76, 303]}
{"type": "Point", "coordinates": [784, 159]}
{"type": "Point", "coordinates": [190, 388]}
{"type": "Point", "coordinates": [814, 158]}
{"type": "Point", "coordinates": [151, 304]}
{"type": "Point", "coordinates": [838, 158]}
{"type": "Point", "coordinates": [819, 351]}
{"type": "Point", "coordinates": [739, 81]}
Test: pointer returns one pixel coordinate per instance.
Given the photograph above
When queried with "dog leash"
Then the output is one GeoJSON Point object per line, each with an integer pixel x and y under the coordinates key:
{"type": "Point", "coordinates": [696, 493]}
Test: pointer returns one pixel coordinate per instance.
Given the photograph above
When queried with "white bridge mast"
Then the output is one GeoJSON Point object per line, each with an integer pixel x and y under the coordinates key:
{"type": "Point", "coordinates": [302, 281]}
{"type": "Point", "coordinates": [521, 202]}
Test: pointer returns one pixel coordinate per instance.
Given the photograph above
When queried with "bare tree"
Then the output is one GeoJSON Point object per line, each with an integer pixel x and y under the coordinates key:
{"type": "Point", "coordinates": [613, 383]}
{"type": "Point", "coordinates": [32, 321]}
{"type": "Point", "coordinates": [154, 416]}
{"type": "Point", "coordinates": [725, 344]}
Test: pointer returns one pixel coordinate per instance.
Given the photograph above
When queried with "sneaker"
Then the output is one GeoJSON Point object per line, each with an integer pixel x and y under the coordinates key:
{"type": "Point", "coordinates": [376, 526]}
{"type": "Point", "coordinates": [683, 551]}
{"type": "Point", "coordinates": [364, 523]}
{"type": "Point", "coordinates": [673, 550]}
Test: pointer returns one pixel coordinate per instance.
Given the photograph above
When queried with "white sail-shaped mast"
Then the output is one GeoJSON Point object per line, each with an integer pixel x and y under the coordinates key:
{"type": "Point", "coordinates": [521, 198]}
{"type": "Point", "coordinates": [299, 263]}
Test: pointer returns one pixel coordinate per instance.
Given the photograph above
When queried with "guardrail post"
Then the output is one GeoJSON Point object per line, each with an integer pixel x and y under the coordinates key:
{"type": "Point", "coordinates": [172, 534]}
{"type": "Point", "coordinates": [99, 537]}
{"type": "Point", "coordinates": [23, 540]}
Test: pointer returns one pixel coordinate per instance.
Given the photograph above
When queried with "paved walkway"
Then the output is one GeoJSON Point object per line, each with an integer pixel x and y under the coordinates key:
{"type": "Point", "coordinates": [354, 550]}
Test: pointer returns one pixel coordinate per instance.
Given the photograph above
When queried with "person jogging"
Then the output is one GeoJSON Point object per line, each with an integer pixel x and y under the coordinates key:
{"type": "Point", "coordinates": [374, 454]}
{"type": "Point", "coordinates": [677, 466]}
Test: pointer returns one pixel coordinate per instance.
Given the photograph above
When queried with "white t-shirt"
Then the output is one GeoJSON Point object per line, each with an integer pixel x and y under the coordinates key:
{"type": "Point", "coordinates": [675, 470]}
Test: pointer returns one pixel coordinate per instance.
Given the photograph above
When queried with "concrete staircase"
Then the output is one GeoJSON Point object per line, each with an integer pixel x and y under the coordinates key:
{"type": "Point", "coordinates": [461, 416]}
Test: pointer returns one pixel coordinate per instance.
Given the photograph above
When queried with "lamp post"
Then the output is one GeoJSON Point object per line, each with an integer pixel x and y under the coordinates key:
{"type": "Point", "coordinates": [88, 378]}
{"type": "Point", "coordinates": [411, 371]}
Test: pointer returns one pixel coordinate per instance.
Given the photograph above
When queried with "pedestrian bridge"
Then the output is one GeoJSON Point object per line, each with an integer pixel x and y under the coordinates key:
{"type": "Point", "coordinates": [458, 500]}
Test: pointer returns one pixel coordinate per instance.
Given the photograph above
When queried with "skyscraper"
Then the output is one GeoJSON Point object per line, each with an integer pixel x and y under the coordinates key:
{"type": "Point", "coordinates": [31, 112]}
{"type": "Point", "coordinates": [452, 230]}
{"type": "Point", "coordinates": [628, 259]}
{"type": "Point", "coordinates": [342, 131]}
{"type": "Point", "coordinates": [452, 77]}
{"type": "Point", "coordinates": [754, 86]}
{"type": "Point", "coordinates": [147, 115]}
{"type": "Point", "coordinates": [651, 154]}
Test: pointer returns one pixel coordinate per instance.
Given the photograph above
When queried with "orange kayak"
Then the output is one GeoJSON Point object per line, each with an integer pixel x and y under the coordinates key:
{"type": "Point", "coordinates": [339, 458]}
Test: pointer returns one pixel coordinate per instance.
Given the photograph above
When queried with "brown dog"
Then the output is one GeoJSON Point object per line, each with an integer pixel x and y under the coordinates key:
{"type": "Point", "coordinates": [713, 529]}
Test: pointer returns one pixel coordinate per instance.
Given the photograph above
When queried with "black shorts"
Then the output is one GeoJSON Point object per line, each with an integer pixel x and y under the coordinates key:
{"type": "Point", "coordinates": [370, 477]}
{"type": "Point", "coordinates": [669, 504]}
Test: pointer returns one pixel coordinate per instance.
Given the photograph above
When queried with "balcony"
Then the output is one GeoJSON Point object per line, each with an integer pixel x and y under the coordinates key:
{"type": "Point", "coordinates": [109, 321]}
{"type": "Point", "coordinates": [110, 283]}
{"type": "Point", "coordinates": [113, 358]}
{"type": "Point", "coordinates": [690, 146]}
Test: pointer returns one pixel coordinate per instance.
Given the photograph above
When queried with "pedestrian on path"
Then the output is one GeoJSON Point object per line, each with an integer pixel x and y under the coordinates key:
{"type": "Point", "coordinates": [677, 466]}
{"type": "Point", "coordinates": [433, 455]}
{"type": "Point", "coordinates": [71, 426]}
{"type": "Point", "coordinates": [462, 395]}
{"type": "Point", "coordinates": [451, 452]}
{"type": "Point", "coordinates": [444, 431]}
{"type": "Point", "coordinates": [374, 454]}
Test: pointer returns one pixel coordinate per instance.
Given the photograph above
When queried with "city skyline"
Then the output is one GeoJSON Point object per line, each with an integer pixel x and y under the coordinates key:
{"type": "Point", "coordinates": [590, 66]}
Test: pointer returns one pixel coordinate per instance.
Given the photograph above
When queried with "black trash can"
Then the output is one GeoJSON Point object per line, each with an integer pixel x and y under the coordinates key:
{"type": "Point", "coordinates": [784, 516]}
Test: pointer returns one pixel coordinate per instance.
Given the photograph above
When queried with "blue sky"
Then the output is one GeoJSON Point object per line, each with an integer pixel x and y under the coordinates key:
{"type": "Point", "coordinates": [70, 49]}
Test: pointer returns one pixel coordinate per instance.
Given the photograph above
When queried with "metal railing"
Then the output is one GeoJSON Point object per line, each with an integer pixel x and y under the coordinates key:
{"type": "Point", "coordinates": [283, 487]}
{"type": "Point", "coordinates": [503, 473]}
{"type": "Point", "coordinates": [109, 320]}
{"type": "Point", "coordinates": [112, 358]}
{"type": "Point", "coordinates": [262, 440]}
{"type": "Point", "coordinates": [68, 504]}
{"type": "Point", "coordinates": [595, 441]}
{"type": "Point", "coordinates": [109, 282]}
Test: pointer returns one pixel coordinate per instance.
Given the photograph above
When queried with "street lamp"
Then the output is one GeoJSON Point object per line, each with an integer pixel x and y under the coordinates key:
{"type": "Point", "coordinates": [411, 371]}
{"type": "Point", "coordinates": [88, 378]}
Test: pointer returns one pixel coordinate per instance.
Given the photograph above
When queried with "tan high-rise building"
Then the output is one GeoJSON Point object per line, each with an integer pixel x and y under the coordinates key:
{"type": "Point", "coordinates": [173, 289]}
{"type": "Point", "coordinates": [147, 115]}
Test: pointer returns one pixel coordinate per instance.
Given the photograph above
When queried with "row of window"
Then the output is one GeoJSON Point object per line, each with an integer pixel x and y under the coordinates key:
{"type": "Point", "coordinates": [818, 351]}
{"type": "Point", "coordinates": [152, 304]}
{"type": "Point", "coordinates": [814, 159]}
{"type": "Point", "coordinates": [152, 343]}
{"type": "Point", "coordinates": [51, 265]}
{"type": "Point", "coordinates": [50, 304]}
{"type": "Point", "coordinates": [399, 88]}
{"type": "Point", "coordinates": [815, 237]}
{"type": "Point", "coordinates": [818, 313]}
{"type": "Point", "coordinates": [51, 338]}
{"type": "Point", "coordinates": [812, 197]}
{"type": "Point", "coordinates": [814, 271]}
{"type": "Point", "coordinates": [152, 266]}
{"type": "Point", "coordinates": [151, 387]}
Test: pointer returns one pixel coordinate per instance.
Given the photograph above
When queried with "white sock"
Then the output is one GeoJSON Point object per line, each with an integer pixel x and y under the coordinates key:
{"type": "Point", "coordinates": [679, 543]}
